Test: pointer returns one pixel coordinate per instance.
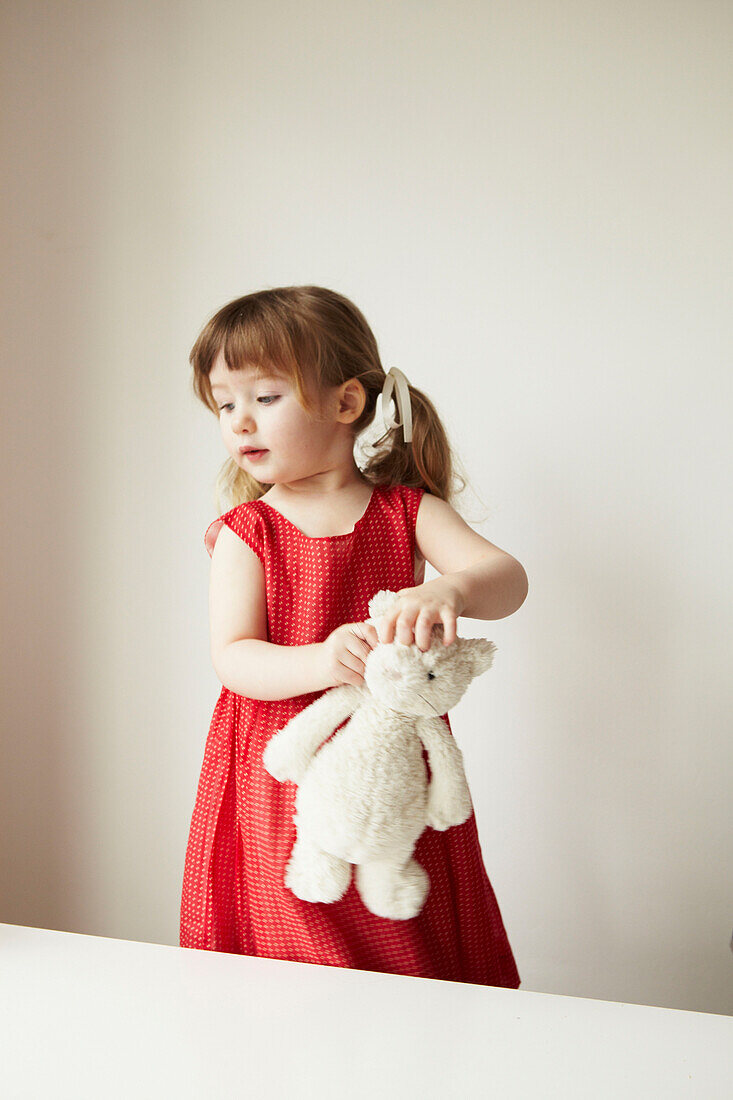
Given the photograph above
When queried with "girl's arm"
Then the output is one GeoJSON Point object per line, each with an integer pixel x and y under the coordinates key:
{"type": "Point", "coordinates": [264, 670]}
{"type": "Point", "coordinates": [478, 579]}
{"type": "Point", "coordinates": [492, 588]}
{"type": "Point", "coordinates": [492, 583]}
{"type": "Point", "coordinates": [243, 659]}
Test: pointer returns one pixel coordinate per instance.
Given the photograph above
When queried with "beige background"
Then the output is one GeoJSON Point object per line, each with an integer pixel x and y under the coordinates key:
{"type": "Point", "coordinates": [531, 204]}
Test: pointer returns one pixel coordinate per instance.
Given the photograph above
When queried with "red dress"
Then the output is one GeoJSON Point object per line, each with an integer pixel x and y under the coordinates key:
{"type": "Point", "coordinates": [242, 832]}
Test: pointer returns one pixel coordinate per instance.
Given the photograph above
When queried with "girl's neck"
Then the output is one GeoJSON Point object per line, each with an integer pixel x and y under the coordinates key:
{"type": "Point", "coordinates": [332, 485]}
{"type": "Point", "coordinates": [323, 513]}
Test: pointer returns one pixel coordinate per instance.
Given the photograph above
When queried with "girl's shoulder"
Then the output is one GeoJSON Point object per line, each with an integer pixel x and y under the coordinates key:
{"type": "Point", "coordinates": [410, 497]}
{"type": "Point", "coordinates": [245, 520]}
{"type": "Point", "coordinates": [252, 518]}
{"type": "Point", "coordinates": [400, 505]}
{"type": "Point", "coordinates": [397, 499]}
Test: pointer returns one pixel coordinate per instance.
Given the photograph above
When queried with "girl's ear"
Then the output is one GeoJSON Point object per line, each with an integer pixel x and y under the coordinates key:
{"type": "Point", "coordinates": [351, 401]}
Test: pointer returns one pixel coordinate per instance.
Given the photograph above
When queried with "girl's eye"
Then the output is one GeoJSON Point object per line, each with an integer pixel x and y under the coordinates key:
{"type": "Point", "coordinates": [269, 400]}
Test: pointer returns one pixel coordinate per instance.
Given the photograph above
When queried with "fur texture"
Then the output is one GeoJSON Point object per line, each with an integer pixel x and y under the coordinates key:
{"type": "Point", "coordinates": [363, 797]}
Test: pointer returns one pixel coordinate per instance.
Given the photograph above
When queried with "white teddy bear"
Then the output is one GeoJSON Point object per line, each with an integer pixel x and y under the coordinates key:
{"type": "Point", "coordinates": [364, 798]}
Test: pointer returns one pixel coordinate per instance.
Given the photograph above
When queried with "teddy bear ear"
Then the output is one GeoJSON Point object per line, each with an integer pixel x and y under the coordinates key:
{"type": "Point", "coordinates": [481, 653]}
{"type": "Point", "coordinates": [381, 603]}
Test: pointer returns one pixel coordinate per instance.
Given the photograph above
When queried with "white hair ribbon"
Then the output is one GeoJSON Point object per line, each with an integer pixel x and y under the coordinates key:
{"type": "Point", "coordinates": [396, 381]}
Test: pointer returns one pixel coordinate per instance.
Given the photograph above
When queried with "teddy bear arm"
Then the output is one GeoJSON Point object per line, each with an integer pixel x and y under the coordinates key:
{"type": "Point", "coordinates": [443, 752]}
{"type": "Point", "coordinates": [449, 799]}
{"type": "Point", "coordinates": [326, 713]}
{"type": "Point", "coordinates": [289, 752]}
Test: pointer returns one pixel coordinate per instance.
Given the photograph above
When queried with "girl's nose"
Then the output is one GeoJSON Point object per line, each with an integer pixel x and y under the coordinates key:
{"type": "Point", "coordinates": [240, 419]}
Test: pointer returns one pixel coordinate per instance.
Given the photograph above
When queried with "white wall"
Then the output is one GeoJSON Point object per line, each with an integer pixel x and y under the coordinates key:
{"type": "Point", "coordinates": [531, 204]}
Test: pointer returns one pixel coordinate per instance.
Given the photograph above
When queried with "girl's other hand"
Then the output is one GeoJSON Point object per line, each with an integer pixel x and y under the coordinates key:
{"type": "Point", "coordinates": [345, 652]}
{"type": "Point", "coordinates": [416, 611]}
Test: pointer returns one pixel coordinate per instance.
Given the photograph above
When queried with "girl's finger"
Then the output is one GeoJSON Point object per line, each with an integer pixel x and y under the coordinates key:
{"type": "Point", "coordinates": [405, 628]}
{"type": "Point", "coordinates": [370, 634]}
{"type": "Point", "coordinates": [362, 634]}
{"type": "Point", "coordinates": [449, 625]}
{"type": "Point", "coordinates": [352, 663]}
{"type": "Point", "coordinates": [363, 649]}
{"type": "Point", "coordinates": [424, 630]}
{"type": "Point", "coordinates": [385, 631]}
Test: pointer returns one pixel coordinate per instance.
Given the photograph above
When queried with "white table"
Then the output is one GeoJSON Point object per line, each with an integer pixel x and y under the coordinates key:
{"type": "Point", "coordinates": [89, 1017]}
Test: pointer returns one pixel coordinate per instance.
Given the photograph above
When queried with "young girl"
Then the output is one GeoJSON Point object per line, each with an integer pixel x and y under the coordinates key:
{"type": "Point", "coordinates": [308, 537]}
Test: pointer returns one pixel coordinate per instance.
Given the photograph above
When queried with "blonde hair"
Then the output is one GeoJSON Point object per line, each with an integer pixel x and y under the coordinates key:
{"type": "Point", "coordinates": [319, 339]}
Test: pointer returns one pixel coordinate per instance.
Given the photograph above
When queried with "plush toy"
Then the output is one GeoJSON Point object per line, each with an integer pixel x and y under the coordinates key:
{"type": "Point", "coordinates": [364, 798]}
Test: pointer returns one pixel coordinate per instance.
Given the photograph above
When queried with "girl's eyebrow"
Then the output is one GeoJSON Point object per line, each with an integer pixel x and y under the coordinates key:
{"type": "Point", "coordinates": [260, 378]}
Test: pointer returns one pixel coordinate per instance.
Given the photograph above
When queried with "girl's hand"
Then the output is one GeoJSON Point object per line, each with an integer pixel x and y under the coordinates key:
{"type": "Point", "coordinates": [345, 651]}
{"type": "Point", "coordinates": [417, 609]}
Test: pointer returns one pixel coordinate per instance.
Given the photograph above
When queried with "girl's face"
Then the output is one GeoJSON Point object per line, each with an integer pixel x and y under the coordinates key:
{"type": "Point", "coordinates": [264, 413]}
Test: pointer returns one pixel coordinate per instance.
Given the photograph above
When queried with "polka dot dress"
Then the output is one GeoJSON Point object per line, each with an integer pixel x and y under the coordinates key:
{"type": "Point", "coordinates": [242, 832]}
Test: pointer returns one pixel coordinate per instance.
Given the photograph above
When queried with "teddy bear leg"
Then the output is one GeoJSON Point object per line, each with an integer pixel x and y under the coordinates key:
{"type": "Point", "coordinates": [315, 875]}
{"type": "Point", "coordinates": [393, 890]}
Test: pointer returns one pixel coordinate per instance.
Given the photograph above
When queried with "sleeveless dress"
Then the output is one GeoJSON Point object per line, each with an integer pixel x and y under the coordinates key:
{"type": "Point", "coordinates": [234, 897]}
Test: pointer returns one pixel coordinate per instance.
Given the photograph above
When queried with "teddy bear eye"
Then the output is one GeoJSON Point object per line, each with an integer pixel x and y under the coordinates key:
{"type": "Point", "coordinates": [431, 676]}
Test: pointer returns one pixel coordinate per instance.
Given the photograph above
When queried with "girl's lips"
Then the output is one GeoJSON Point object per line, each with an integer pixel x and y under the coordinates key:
{"type": "Point", "coordinates": [255, 455]}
